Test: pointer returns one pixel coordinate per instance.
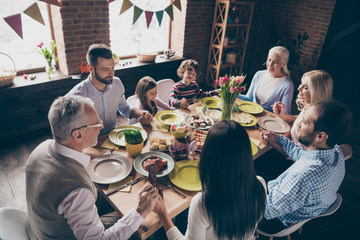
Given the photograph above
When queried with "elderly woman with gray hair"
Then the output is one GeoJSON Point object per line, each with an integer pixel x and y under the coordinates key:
{"type": "Point", "coordinates": [274, 84]}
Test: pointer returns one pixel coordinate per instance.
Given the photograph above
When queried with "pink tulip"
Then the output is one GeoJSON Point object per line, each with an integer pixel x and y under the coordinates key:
{"type": "Point", "coordinates": [232, 78]}
{"type": "Point", "coordinates": [217, 82]}
{"type": "Point", "coordinates": [220, 82]}
{"type": "Point", "coordinates": [236, 88]}
{"type": "Point", "coordinates": [230, 84]}
{"type": "Point", "coordinates": [225, 80]}
{"type": "Point", "coordinates": [232, 90]}
{"type": "Point", "coordinates": [242, 89]}
{"type": "Point", "coordinates": [242, 78]}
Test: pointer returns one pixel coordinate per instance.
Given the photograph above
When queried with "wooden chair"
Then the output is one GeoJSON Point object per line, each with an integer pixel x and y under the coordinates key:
{"type": "Point", "coordinates": [164, 89]}
{"type": "Point", "coordinates": [287, 231]}
{"type": "Point", "coordinates": [13, 224]}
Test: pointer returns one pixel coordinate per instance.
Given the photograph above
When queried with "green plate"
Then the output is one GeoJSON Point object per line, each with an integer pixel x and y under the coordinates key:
{"type": "Point", "coordinates": [211, 102]}
{"type": "Point", "coordinates": [253, 122]}
{"type": "Point", "coordinates": [254, 148]}
{"type": "Point", "coordinates": [116, 136]}
{"type": "Point", "coordinates": [250, 107]}
{"type": "Point", "coordinates": [185, 175]}
{"type": "Point", "coordinates": [169, 117]}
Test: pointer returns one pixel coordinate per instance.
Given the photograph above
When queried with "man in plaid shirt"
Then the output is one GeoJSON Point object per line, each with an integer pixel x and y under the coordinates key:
{"type": "Point", "coordinates": [308, 187]}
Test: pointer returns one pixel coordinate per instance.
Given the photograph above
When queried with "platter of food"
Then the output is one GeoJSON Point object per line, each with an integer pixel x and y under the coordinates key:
{"type": "Point", "coordinates": [245, 119]}
{"type": "Point", "coordinates": [164, 163]}
{"type": "Point", "coordinates": [199, 121]}
{"type": "Point", "coordinates": [161, 143]}
{"type": "Point", "coordinates": [117, 137]}
{"type": "Point", "coordinates": [110, 168]}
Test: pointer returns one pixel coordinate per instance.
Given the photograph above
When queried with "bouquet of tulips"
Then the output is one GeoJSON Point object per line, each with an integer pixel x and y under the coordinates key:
{"type": "Point", "coordinates": [230, 88]}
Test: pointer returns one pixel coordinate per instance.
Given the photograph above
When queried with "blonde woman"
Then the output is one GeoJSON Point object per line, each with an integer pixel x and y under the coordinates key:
{"type": "Point", "coordinates": [315, 85]}
{"type": "Point", "coordinates": [274, 84]}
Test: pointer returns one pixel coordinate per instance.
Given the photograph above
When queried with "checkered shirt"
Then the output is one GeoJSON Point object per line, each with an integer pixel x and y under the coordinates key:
{"type": "Point", "coordinates": [308, 187]}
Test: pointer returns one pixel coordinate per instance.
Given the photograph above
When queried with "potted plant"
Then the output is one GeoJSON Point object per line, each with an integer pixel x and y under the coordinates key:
{"type": "Point", "coordinates": [134, 142]}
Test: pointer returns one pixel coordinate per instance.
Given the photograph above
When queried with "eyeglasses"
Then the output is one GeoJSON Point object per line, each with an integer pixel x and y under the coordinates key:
{"type": "Point", "coordinates": [97, 125]}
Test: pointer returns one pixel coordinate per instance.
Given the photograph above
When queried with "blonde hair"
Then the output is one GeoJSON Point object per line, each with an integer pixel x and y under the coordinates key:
{"type": "Point", "coordinates": [320, 86]}
{"type": "Point", "coordinates": [284, 55]}
{"type": "Point", "coordinates": [185, 65]}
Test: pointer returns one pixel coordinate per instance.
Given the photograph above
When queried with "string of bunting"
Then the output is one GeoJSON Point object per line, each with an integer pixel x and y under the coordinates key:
{"type": "Point", "coordinates": [15, 22]}
{"type": "Point", "coordinates": [149, 14]}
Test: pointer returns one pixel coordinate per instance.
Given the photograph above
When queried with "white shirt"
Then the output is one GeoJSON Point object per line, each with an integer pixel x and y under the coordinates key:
{"type": "Point", "coordinates": [81, 213]}
{"type": "Point", "coordinates": [267, 86]}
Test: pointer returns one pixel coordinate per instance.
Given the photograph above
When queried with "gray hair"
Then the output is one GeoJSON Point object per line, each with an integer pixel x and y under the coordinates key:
{"type": "Point", "coordinates": [284, 55]}
{"type": "Point", "coordinates": [66, 114]}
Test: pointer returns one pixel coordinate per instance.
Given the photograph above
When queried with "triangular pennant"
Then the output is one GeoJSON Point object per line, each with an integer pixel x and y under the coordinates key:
{"type": "Point", "coordinates": [137, 13]}
{"type": "Point", "coordinates": [14, 22]}
{"type": "Point", "coordinates": [169, 11]}
{"type": "Point", "coordinates": [110, 1]}
{"type": "Point", "coordinates": [159, 16]}
{"type": "Point", "coordinates": [125, 6]}
{"type": "Point", "coordinates": [34, 12]}
{"type": "Point", "coordinates": [52, 2]}
{"type": "Point", "coordinates": [177, 4]}
{"type": "Point", "coordinates": [148, 15]}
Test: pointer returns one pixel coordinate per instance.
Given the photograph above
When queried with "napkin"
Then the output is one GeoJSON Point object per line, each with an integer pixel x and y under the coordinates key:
{"type": "Point", "coordinates": [157, 126]}
{"type": "Point", "coordinates": [257, 142]}
{"type": "Point", "coordinates": [199, 110]}
{"type": "Point", "coordinates": [108, 144]}
{"type": "Point", "coordinates": [118, 184]}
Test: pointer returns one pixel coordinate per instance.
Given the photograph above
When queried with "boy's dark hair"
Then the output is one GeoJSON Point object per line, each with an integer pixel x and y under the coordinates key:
{"type": "Point", "coordinates": [334, 118]}
{"type": "Point", "coordinates": [98, 50]}
{"type": "Point", "coordinates": [188, 64]}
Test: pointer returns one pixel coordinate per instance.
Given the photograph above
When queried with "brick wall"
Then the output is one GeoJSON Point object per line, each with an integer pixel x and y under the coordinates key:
{"type": "Point", "coordinates": [77, 25]}
{"type": "Point", "coordinates": [288, 17]}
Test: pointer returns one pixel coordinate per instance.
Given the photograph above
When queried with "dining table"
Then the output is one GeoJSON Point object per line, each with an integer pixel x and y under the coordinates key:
{"type": "Point", "coordinates": [123, 202]}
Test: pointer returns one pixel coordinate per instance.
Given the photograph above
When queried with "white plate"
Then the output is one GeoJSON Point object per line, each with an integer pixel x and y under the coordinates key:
{"type": "Point", "coordinates": [109, 168]}
{"type": "Point", "coordinates": [200, 115]}
{"type": "Point", "coordinates": [139, 160]}
{"type": "Point", "coordinates": [117, 137]}
{"type": "Point", "coordinates": [274, 124]}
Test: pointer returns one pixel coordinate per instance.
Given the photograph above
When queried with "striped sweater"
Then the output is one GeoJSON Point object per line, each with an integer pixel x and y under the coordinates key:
{"type": "Point", "coordinates": [180, 91]}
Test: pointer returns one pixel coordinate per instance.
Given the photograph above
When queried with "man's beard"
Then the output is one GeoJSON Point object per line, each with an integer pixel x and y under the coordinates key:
{"type": "Point", "coordinates": [103, 80]}
{"type": "Point", "coordinates": [306, 140]}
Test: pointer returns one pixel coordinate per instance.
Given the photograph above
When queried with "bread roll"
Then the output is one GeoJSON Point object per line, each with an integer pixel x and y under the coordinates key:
{"type": "Point", "coordinates": [162, 147]}
{"type": "Point", "coordinates": [154, 146]}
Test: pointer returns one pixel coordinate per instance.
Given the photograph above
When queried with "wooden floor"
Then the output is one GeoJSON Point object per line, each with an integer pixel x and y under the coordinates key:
{"type": "Point", "coordinates": [341, 225]}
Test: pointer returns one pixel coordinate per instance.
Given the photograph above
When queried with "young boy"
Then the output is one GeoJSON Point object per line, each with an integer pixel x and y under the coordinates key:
{"type": "Point", "coordinates": [183, 92]}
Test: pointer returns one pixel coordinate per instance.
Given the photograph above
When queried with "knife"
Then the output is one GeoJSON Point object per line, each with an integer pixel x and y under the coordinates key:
{"type": "Point", "coordinates": [124, 185]}
{"type": "Point", "coordinates": [172, 188]}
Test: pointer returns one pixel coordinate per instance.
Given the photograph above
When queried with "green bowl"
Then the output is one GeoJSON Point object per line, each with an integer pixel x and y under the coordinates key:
{"type": "Point", "coordinates": [179, 135]}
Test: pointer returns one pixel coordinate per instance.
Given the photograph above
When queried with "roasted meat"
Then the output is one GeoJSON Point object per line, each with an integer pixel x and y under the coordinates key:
{"type": "Point", "coordinates": [160, 164]}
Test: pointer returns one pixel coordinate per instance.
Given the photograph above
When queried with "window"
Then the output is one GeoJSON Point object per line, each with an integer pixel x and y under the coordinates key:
{"type": "Point", "coordinates": [127, 39]}
{"type": "Point", "coordinates": [22, 51]}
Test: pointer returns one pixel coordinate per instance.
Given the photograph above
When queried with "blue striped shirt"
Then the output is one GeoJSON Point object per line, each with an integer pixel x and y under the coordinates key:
{"type": "Point", "coordinates": [308, 187]}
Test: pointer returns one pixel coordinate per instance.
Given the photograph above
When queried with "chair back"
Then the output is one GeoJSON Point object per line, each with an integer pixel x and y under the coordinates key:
{"type": "Point", "coordinates": [131, 100]}
{"type": "Point", "coordinates": [287, 231]}
{"type": "Point", "coordinates": [164, 89]}
{"type": "Point", "coordinates": [347, 151]}
{"type": "Point", "coordinates": [13, 224]}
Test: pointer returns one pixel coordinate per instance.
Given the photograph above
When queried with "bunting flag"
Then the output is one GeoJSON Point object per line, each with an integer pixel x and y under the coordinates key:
{"type": "Point", "coordinates": [148, 15]}
{"type": "Point", "coordinates": [177, 4]}
{"type": "Point", "coordinates": [14, 22]}
{"type": "Point", "coordinates": [34, 12]}
{"type": "Point", "coordinates": [137, 13]}
{"type": "Point", "coordinates": [159, 16]}
{"type": "Point", "coordinates": [110, 1]}
{"type": "Point", "coordinates": [125, 6]}
{"type": "Point", "coordinates": [52, 2]}
{"type": "Point", "coordinates": [169, 11]}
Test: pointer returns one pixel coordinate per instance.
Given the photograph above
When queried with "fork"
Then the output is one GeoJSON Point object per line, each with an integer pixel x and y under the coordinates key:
{"type": "Point", "coordinates": [172, 188]}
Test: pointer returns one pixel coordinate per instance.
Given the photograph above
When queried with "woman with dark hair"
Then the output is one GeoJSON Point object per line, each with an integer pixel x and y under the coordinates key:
{"type": "Point", "coordinates": [146, 93]}
{"type": "Point", "coordinates": [232, 200]}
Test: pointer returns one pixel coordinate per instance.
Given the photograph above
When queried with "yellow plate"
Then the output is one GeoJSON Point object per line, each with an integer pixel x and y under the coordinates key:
{"type": "Point", "coordinates": [169, 117]}
{"type": "Point", "coordinates": [253, 122]}
{"type": "Point", "coordinates": [186, 175]}
{"type": "Point", "coordinates": [250, 107]}
{"type": "Point", "coordinates": [254, 148]}
{"type": "Point", "coordinates": [211, 102]}
{"type": "Point", "coordinates": [116, 136]}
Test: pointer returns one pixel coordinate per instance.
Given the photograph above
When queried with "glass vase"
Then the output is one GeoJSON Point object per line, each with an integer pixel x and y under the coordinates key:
{"type": "Point", "coordinates": [50, 69]}
{"type": "Point", "coordinates": [226, 110]}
